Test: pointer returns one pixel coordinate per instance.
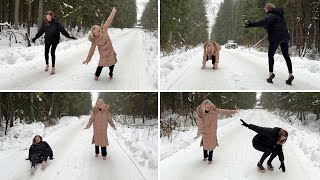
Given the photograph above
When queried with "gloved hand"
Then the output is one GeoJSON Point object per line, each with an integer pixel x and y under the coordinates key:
{"type": "Point", "coordinates": [283, 167]}
{"type": "Point", "coordinates": [33, 40]}
{"type": "Point", "coordinates": [74, 38]}
{"type": "Point", "coordinates": [244, 123]}
{"type": "Point", "coordinates": [248, 24]}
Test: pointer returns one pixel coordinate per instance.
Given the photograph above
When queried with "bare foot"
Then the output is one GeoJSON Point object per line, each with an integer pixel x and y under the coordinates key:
{"type": "Point", "coordinates": [43, 164]}
{"type": "Point", "coordinates": [205, 159]}
{"type": "Point", "coordinates": [53, 71]}
{"type": "Point", "coordinates": [47, 68]}
{"type": "Point", "coordinates": [104, 157]}
{"type": "Point", "coordinates": [97, 155]}
{"type": "Point", "coordinates": [96, 78]}
{"type": "Point", "coordinates": [209, 162]}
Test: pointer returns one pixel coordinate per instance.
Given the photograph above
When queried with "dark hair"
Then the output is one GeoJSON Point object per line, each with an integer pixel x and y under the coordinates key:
{"type": "Point", "coordinates": [48, 13]}
{"type": "Point", "coordinates": [283, 133]}
{"type": "Point", "coordinates": [34, 139]}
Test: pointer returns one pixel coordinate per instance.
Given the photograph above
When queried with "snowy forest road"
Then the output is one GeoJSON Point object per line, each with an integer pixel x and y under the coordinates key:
{"type": "Point", "coordinates": [130, 72]}
{"type": "Point", "coordinates": [235, 158]}
{"type": "Point", "coordinates": [74, 158]}
{"type": "Point", "coordinates": [237, 71]}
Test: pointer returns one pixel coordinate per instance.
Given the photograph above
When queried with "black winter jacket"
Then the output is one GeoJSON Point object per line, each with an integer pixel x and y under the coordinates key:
{"type": "Point", "coordinates": [39, 149]}
{"type": "Point", "coordinates": [268, 137]}
{"type": "Point", "coordinates": [52, 31]}
{"type": "Point", "coordinates": [275, 24]}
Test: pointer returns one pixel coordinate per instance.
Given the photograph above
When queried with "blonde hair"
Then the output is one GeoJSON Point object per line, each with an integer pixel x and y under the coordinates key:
{"type": "Point", "coordinates": [208, 102]}
{"type": "Point", "coordinates": [91, 34]}
{"type": "Point", "coordinates": [269, 6]}
{"type": "Point", "coordinates": [214, 45]}
{"type": "Point", "coordinates": [100, 101]}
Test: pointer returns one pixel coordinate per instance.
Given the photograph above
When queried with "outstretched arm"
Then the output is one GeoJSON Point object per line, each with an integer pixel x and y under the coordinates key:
{"type": "Point", "coordinates": [63, 31]}
{"type": "Point", "coordinates": [226, 112]}
{"type": "Point", "coordinates": [263, 22]}
{"type": "Point", "coordinates": [91, 52]}
{"type": "Point", "coordinates": [39, 33]}
{"type": "Point", "coordinates": [261, 130]}
{"type": "Point", "coordinates": [110, 19]}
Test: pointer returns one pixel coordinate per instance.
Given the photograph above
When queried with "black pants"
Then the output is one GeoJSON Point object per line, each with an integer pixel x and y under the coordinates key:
{"type": "Point", "coordinates": [53, 52]}
{"type": "Point", "coordinates": [267, 151]}
{"type": "Point", "coordinates": [99, 69]}
{"type": "Point", "coordinates": [213, 58]}
{"type": "Point", "coordinates": [38, 158]}
{"type": "Point", "coordinates": [103, 150]}
{"type": "Point", "coordinates": [207, 155]}
{"type": "Point", "coordinates": [285, 52]}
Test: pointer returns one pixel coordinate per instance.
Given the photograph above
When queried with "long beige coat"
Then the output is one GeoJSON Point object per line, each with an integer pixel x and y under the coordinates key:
{"type": "Point", "coordinates": [207, 125]}
{"type": "Point", "coordinates": [216, 53]}
{"type": "Point", "coordinates": [108, 56]}
{"type": "Point", "coordinates": [100, 121]}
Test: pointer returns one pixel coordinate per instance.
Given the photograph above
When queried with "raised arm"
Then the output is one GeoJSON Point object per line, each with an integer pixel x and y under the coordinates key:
{"type": "Point", "coordinates": [110, 19]}
{"type": "Point", "coordinates": [199, 122]}
{"type": "Point", "coordinates": [261, 130]}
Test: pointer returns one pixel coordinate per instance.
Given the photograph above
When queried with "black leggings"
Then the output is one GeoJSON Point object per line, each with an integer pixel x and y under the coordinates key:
{"type": "Point", "coordinates": [213, 58]}
{"type": "Point", "coordinates": [38, 158]}
{"type": "Point", "coordinates": [53, 51]}
{"type": "Point", "coordinates": [207, 155]}
{"type": "Point", "coordinates": [99, 69]}
{"type": "Point", "coordinates": [267, 151]}
{"type": "Point", "coordinates": [285, 52]}
{"type": "Point", "coordinates": [103, 150]}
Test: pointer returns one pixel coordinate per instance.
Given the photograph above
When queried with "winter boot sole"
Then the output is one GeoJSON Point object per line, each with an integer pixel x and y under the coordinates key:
{"type": "Point", "coordinates": [289, 81]}
{"type": "Point", "coordinates": [269, 80]}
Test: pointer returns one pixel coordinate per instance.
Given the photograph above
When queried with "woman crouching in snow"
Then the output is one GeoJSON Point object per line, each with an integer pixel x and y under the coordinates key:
{"type": "Point", "coordinates": [100, 118]}
{"type": "Point", "coordinates": [207, 127]}
{"type": "Point", "coordinates": [39, 152]}
{"type": "Point", "coordinates": [211, 51]}
{"type": "Point", "coordinates": [99, 37]}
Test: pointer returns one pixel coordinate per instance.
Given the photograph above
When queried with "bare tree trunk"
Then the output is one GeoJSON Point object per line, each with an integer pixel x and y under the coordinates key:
{"type": "Point", "coordinates": [31, 107]}
{"type": "Point", "coordinates": [16, 14]}
{"type": "Point", "coordinates": [40, 12]}
{"type": "Point", "coordinates": [29, 18]}
{"type": "Point", "coordinates": [11, 109]}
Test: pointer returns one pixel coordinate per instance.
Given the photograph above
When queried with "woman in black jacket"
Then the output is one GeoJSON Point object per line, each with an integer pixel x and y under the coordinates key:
{"type": "Point", "coordinates": [52, 28]}
{"type": "Point", "coordinates": [269, 141]}
{"type": "Point", "coordinates": [39, 152]}
{"type": "Point", "coordinates": [278, 35]}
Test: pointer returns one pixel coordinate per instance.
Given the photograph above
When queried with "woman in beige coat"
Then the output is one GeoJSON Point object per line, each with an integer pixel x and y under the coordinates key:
{"type": "Point", "coordinates": [207, 127]}
{"type": "Point", "coordinates": [100, 118]}
{"type": "Point", "coordinates": [211, 50]}
{"type": "Point", "coordinates": [99, 37]}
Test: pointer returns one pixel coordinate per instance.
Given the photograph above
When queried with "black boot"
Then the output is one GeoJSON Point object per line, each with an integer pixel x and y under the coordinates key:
{"type": "Point", "coordinates": [269, 165]}
{"type": "Point", "coordinates": [260, 167]}
{"type": "Point", "coordinates": [269, 80]}
{"type": "Point", "coordinates": [111, 75]}
{"type": "Point", "coordinates": [289, 81]}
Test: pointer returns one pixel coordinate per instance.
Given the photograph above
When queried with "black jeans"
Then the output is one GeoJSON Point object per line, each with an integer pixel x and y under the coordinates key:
{"type": "Point", "coordinates": [207, 155]}
{"type": "Point", "coordinates": [267, 151]}
{"type": "Point", "coordinates": [103, 150]}
{"type": "Point", "coordinates": [53, 52]}
{"type": "Point", "coordinates": [213, 58]}
{"type": "Point", "coordinates": [285, 52]}
{"type": "Point", "coordinates": [99, 69]}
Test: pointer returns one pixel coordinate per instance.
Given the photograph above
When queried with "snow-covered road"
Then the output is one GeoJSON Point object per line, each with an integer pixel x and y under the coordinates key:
{"type": "Point", "coordinates": [238, 70]}
{"type": "Point", "coordinates": [235, 158]}
{"type": "Point", "coordinates": [74, 158]}
{"type": "Point", "coordinates": [26, 70]}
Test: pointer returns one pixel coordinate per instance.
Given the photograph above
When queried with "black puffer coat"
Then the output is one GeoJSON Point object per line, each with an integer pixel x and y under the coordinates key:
{"type": "Point", "coordinates": [267, 137]}
{"type": "Point", "coordinates": [39, 149]}
{"type": "Point", "coordinates": [275, 24]}
{"type": "Point", "coordinates": [52, 32]}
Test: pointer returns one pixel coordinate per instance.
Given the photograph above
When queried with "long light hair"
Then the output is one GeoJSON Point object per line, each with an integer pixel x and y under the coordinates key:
{"type": "Point", "coordinates": [104, 105]}
{"type": "Point", "coordinates": [92, 37]}
{"type": "Point", "coordinates": [211, 47]}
